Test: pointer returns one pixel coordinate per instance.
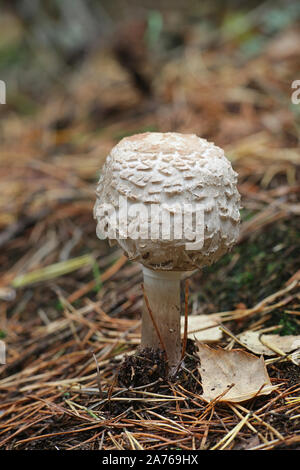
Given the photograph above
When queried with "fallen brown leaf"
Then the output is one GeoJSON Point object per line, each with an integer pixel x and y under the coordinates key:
{"type": "Point", "coordinates": [243, 374]}
{"type": "Point", "coordinates": [269, 344]}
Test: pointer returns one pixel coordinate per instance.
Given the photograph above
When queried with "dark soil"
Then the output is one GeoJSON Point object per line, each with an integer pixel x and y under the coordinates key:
{"type": "Point", "coordinates": [145, 366]}
{"type": "Point", "coordinates": [149, 365]}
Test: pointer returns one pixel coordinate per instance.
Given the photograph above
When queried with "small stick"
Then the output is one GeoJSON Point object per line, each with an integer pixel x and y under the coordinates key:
{"type": "Point", "coordinates": [185, 318]}
{"type": "Point", "coordinates": [103, 277]}
{"type": "Point", "coordinates": [98, 377]}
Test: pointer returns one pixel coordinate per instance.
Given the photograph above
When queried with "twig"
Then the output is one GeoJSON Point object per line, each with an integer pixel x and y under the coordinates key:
{"type": "Point", "coordinates": [185, 318]}
{"type": "Point", "coordinates": [98, 377]}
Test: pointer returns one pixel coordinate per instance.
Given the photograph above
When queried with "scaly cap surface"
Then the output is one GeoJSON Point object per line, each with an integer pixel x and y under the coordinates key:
{"type": "Point", "coordinates": [170, 170]}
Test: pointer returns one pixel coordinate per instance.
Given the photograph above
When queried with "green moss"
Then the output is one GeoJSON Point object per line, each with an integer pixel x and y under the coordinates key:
{"type": "Point", "coordinates": [59, 306]}
{"type": "Point", "coordinates": [255, 269]}
{"type": "Point", "coordinates": [14, 54]}
{"type": "Point", "coordinates": [97, 277]}
{"type": "Point", "coordinates": [287, 324]}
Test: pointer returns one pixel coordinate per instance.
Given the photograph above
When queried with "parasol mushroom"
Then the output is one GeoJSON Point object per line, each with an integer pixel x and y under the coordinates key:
{"type": "Point", "coordinates": [170, 202]}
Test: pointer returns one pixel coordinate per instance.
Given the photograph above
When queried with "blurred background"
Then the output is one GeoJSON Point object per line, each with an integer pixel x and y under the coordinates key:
{"type": "Point", "coordinates": [209, 66]}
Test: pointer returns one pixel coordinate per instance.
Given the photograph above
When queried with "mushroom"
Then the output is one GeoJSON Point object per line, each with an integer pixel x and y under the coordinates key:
{"type": "Point", "coordinates": [170, 202]}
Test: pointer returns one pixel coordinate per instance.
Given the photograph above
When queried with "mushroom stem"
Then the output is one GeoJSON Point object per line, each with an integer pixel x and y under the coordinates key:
{"type": "Point", "coordinates": [162, 289]}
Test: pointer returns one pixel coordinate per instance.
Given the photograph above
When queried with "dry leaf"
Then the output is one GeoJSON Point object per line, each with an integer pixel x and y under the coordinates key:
{"type": "Point", "coordinates": [258, 343]}
{"type": "Point", "coordinates": [203, 328]}
{"type": "Point", "coordinates": [245, 373]}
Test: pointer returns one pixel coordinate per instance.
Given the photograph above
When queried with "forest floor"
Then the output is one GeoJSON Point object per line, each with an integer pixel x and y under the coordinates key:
{"type": "Point", "coordinates": [70, 304]}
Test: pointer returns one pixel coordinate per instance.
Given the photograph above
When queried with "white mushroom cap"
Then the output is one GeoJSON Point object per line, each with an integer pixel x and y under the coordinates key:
{"type": "Point", "coordinates": [167, 171]}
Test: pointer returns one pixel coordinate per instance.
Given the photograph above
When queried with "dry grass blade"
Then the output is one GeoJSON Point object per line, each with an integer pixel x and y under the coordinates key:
{"type": "Point", "coordinates": [135, 445]}
{"type": "Point", "coordinates": [53, 271]}
{"type": "Point", "coordinates": [231, 435]}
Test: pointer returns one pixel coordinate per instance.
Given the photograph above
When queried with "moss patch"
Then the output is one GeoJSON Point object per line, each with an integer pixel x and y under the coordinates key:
{"type": "Point", "coordinates": [254, 270]}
